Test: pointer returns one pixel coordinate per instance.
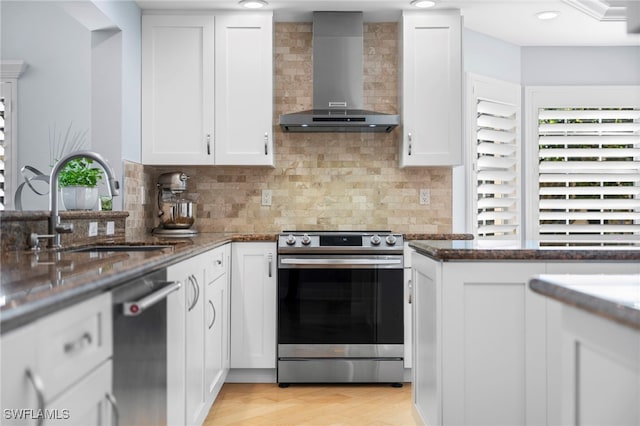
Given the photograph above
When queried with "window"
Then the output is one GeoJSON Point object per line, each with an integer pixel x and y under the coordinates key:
{"type": "Point", "coordinates": [10, 71]}
{"type": "Point", "coordinates": [495, 156]}
{"type": "Point", "coordinates": [587, 165]}
{"type": "Point", "coordinates": [5, 148]}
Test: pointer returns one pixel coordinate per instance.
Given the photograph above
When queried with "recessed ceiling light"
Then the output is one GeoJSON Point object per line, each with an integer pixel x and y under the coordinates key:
{"type": "Point", "coordinates": [253, 4]}
{"type": "Point", "coordinates": [547, 15]}
{"type": "Point", "coordinates": [423, 4]}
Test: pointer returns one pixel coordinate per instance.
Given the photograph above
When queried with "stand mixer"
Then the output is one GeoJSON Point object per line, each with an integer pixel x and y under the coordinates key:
{"type": "Point", "coordinates": [176, 213]}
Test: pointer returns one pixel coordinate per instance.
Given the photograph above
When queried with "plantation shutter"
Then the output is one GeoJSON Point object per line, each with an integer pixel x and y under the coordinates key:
{"type": "Point", "coordinates": [589, 174]}
{"type": "Point", "coordinates": [3, 116]}
{"type": "Point", "coordinates": [497, 160]}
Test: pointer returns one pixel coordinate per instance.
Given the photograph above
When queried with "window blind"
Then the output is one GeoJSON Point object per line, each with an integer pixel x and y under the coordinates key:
{"type": "Point", "coordinates": [497, 169]}
{"type": "Point", "coordinates": [589, 175]}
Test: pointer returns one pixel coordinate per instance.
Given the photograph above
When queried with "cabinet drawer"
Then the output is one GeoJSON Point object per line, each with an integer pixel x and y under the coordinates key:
{"type": "Point", "coordinates": [216, 264]}
{"type": "Point", "coordinates": [86, 403]}
{"type": "Point", "coordinates": [74, 341]}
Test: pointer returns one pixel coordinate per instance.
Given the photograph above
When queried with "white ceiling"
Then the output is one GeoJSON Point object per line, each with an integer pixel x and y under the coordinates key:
{"type": "Point", "coordinates": [513, 21]}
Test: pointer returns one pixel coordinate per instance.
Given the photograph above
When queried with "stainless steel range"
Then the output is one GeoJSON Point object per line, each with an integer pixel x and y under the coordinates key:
{"type": "Point", "coordinates": [340, 307]}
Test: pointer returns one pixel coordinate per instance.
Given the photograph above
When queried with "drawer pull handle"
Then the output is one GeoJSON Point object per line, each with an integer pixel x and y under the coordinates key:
{"type": "Point", "coordinates": [196, 289]}
{"type": "Point", "coordinates": [37, 384]}
{"type": "Point", "coordinates": [78, 344]}
{"type": "Point", "coordinates": [213, 309]}
{"type": "Point", "coordinates": [114, 408]}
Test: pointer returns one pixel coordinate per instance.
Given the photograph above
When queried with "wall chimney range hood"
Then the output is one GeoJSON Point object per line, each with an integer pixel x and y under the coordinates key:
{"type": "Point", "coordinates": [338, 80]}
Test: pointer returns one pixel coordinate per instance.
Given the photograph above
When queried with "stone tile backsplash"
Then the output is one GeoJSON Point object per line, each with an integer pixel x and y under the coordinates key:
{"type": "Point", "coordinates": [320, 180]}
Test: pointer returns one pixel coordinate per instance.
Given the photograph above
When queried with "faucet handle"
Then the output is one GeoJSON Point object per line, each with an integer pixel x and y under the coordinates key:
{"type": "Point", "coordinates": [64, 228]}
{"type": "Point", "coordinates": [34, 240]}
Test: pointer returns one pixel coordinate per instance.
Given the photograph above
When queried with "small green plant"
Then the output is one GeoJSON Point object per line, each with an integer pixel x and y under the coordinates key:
{"type": "Point", "coordinates": [78, 172]}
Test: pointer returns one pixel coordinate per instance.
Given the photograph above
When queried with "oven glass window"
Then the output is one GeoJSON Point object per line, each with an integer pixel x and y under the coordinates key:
{"type": "Point", "coordinates": [340, 306]}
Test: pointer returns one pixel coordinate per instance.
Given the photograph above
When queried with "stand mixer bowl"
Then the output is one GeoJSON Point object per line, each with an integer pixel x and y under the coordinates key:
{"type": "Point", "coordinates": [180, 215]}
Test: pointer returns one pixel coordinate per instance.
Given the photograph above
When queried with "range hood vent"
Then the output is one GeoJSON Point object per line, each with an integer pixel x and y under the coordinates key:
{"type": "Point", "coordinates": [338, 80]}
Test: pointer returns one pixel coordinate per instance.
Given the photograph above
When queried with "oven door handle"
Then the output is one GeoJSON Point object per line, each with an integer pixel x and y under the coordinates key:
{"type": "Point", "coordinates": [340, 262]}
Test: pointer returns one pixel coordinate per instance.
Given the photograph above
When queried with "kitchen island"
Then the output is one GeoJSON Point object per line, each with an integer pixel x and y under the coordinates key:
{"type": "Point", "coordinates": [487, 349]}
{"type": "Point", "coordinates": [601, 346]}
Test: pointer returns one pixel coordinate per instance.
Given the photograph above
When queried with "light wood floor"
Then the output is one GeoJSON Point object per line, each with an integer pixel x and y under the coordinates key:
{"type": "Point", "coordinates": [313, 405]}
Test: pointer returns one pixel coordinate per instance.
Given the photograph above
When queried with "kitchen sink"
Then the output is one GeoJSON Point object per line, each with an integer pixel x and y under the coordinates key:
{"type": "Point", "coordinates": [120, 247]}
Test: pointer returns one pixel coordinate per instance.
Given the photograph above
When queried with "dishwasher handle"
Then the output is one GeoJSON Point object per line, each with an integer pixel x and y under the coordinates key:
{"type": "Point", "coordinates": [131, 309]}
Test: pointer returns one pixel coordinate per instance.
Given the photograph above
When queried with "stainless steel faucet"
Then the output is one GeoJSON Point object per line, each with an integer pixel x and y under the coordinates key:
{"type": "Point", "coordinates": [55, 227]}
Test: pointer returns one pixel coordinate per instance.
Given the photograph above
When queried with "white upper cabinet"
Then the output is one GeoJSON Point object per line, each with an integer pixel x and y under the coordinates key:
{"type": "Point", "coordinates": [177, 89]}
{"type": "Point", "coordinates": [431, 88]}
{"type": "Point", "coordinates": [244, 89]}
{"type": "Point", "coordinates": [207, 89]}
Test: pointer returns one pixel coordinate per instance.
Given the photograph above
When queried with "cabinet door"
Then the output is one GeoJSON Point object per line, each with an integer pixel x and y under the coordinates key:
{"type": "Point", "coordinates": [493, 334]}
{"type": "Point", "coordinates": [194, 358]}
{"type": "Point", "coordinates": [244, 89]}
{"type": "Point", "coordinates": [186, 359]}
{"type": "Point", "coordinates": [216, 328]}
{"type": "Point", "coordinates": [88, 402]}
{"type": "Point", "coordinates": [177, 89]}
{"type": "Point", "coordinates": [176, 345]}
{"type": "Point", "coordinates": [431, 89]}
{"type": "Point", "coordinates": [253, 305]}
{"type": "Point", "coordinates": [18, 388]}
{"type": "Point", "coordinates": [214, 347]}
{"type": "Point", "coordinates": [427, 339]}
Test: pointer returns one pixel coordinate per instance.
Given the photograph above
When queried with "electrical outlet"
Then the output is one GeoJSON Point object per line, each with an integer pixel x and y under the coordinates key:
{"type": "Point", "coordinates": [266, 197]}
{"type": "Point", "coordinates": [111, 228]}
{"type": "Point", "coordinates": [93, 229]}
{"type": "Point", "coordinates": [425, 197]}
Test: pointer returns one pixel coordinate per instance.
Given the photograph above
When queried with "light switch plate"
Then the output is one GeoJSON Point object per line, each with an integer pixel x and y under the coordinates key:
{"type": "Point", "coordinates": [93, 229]}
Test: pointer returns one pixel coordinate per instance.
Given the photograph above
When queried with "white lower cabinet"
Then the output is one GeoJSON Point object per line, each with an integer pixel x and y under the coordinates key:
{"type": "Point", "coordinates": [601, 375]}
{"type": "Point", "coordinates": [253, 306]}
{"type": "Point", "coordinates": [217, 314]}
{"type": "Point", "coordinates": [194, 342]}
{"type": "Point", "coordinates": [408, 301]}
{"type": "Point", "coordinates": [487, 349]}
{"type": "Point", "coordinates": [58, 369]}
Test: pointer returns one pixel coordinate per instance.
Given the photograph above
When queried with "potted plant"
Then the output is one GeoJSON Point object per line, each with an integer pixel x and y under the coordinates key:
{"type": "Point", "coordinates": [78, 182]}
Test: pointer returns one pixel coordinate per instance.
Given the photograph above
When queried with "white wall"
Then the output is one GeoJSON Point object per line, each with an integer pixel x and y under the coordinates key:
{"type": "Point", "coordinates": [127, 16]}
{"type": "Point", "coordinates": [83, 70]}
{"type": "Point", "coordinates": [491, 57]}
{"type": "Point", "coordinates": [574, 66]}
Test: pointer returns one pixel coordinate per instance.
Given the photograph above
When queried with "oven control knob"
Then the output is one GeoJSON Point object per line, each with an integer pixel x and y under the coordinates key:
{"type": "Point", "coordinates": [306, 240]}
{"type": "Point", "coordinates": [375, 240]}
{"type": "Point", "coordinates": [391, 240]}
{"type": "Point", "coordinates": [291, 240]}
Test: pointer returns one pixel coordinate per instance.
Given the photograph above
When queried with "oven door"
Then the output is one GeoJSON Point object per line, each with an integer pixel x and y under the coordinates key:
{"type": "Point", "coordinates": [340, 306]}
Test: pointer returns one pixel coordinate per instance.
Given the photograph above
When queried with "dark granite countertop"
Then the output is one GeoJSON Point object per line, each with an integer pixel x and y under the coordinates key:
{"type": "Point", "coordinates": [615, 297]}
{"type": "Point", "coordinates": [483, 250]}
{"type": "Point", "coordinates": [35, 284]}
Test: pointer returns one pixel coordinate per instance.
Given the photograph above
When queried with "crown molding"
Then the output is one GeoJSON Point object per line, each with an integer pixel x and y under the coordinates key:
{"type": "Point", "coordinates": [12, 69]}
{"type": "Point", "coordinates": [602, 10]}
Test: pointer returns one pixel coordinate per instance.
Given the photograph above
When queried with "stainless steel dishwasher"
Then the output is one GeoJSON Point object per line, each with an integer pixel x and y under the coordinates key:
{"type": "Point", "coordinates": [140, 348]}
